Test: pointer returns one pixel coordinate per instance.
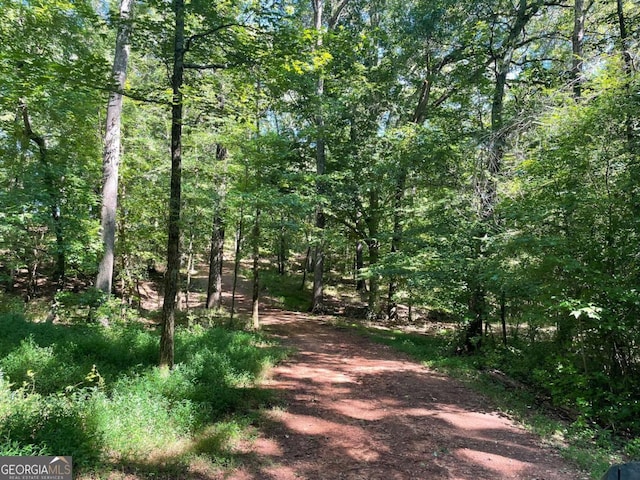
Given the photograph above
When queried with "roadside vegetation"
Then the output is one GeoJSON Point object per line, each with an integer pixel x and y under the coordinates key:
{"type": "Point", "coordinates": [95, 392]}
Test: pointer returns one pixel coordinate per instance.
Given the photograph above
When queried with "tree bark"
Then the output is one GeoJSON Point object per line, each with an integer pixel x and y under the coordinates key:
{"type": "Point", "coordinates": [282, 246]}
{"type": "Point", "coordinates": [487, 189]}
{"type": "Point", "coordinates": [361, 285]}
{"type": "Point", "coordinates": [320, 220]}
{"type": "Point", "coordinates": [624, 36]}
{"type": "Point", "coordinates": [418, 117]}
{"type": "Point", "coordinates": [392, 305]}
{"type": "Point", "coordinates": [173, 242]}
{"type": "Point", "coordinates": [318, 266]}
{"type": "Point", "coordinates": [111, 154]}
{"type": "Point", "coordinates": [374, 286]}
{"type": "Point", "coordinates": [255, 299]}
{"type": "Point", "coordinates": [577, 41]}
{"type": "Point", "coordinates": [373, 225]}
{"type": "Point", "coordinates": [216, 255]}
{"type": "Point", "coordinates": [236, 260]}
{"type": "Point", "coordinates": [216, 259]}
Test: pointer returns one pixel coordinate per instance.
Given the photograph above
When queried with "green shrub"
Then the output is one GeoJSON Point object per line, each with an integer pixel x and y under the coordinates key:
{"type": "Point", "coordinates": [95, 393]}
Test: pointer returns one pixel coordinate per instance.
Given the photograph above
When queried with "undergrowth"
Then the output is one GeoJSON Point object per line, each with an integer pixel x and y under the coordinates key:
{"type": "Point", "coordinates": [286, 291]}
{"type": "Point", "coordinates": [95, 393]}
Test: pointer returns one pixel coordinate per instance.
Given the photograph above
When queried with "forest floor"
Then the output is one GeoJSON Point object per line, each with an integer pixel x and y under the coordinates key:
{"type": "Point", "coordinates": [352, 409]}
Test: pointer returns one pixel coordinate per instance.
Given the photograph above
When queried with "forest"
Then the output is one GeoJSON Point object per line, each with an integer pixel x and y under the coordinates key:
{"type": "Point", "coordinates": [473, 163]}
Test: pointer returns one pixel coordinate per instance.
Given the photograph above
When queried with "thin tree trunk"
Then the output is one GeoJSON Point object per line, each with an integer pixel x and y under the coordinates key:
{"type": "Point", "coordinates": [632, 136]}
{"type": "Point", "coordinates": [503, 316]}
{"type": "Point", "coordinates": [624, 36]}
{"type": "Point", "coordinates": [216, 259]}
{"type": "Point", "coordinates": [577, 41]}
{"type": "Point", "coordinates": [318, 266]}
{"type": "Point", "coordinates": [361, 285]}
{"type": "Point", "coordinates": [173, 243]}
{"type": "Point", "coordinates": [487, 189]}
{"type": "Point", "coordinates": [111, 155]}
{"type": "Point", "coordinates": [392, 305]}
{"type": "Point", "coordinates": [305, 268]}
{"type": "Point", "coordinates": [255, 303]}
{"type": "Point", "coordinates": [216, 256]}
{"type": "Point", "coordinates": [282, 247]}
{"type": "Point", "coordinates": [487, 202]}
{"type": "Point", "coordinates": [418, 117]}
{"type": "Point", "coordinates": [236, 261]}
{"type": "Point", "coordinates": [190, 257]}
{"type": "Point", "coordinates": [374, 288]}
{"type": "Point", "coordinates": [318, 277]}
{"type": "Point", "coordinates": [373, 224]}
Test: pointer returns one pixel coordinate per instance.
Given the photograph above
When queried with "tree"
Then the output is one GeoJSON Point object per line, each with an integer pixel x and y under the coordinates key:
{"type": "Point", "coordinates": [320, 220]}
{"type": "Point", "coordinates": [506, 38]}
{"type": "Point", "coordinates": [111, 156]}
{"type": "Point", "coordinates": [207, 24]}
{"type": "Point", "coordinates": [173, 240]}
{"type": "Point", "coordinates": [48, 135]}
{"type": "Point", "coordinates": [216, 250]}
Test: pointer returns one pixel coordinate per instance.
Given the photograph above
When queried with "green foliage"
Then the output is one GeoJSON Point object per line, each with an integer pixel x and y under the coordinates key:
{"type": "Point", "coordinates": [94, 392]}
{"type": "Point", "coordinates": [286, 291]}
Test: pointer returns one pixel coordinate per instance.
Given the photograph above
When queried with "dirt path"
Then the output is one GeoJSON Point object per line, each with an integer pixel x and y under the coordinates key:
{"type": "Point", "coordinates": [358, 410]}
{"type": "Point", "coordinates": [354, 409]}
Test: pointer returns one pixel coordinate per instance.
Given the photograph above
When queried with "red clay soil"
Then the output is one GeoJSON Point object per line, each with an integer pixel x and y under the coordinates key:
{"type": "Point", "coordinates": [354, 409]}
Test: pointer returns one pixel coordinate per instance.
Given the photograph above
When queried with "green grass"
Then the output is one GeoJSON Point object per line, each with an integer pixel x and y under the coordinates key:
{"type": "Point", "coordinates": [286, 291]}
{"type": "Point", "coordinates": [590, 448]}
{"type": "Point", "coordinates": [95, 393]}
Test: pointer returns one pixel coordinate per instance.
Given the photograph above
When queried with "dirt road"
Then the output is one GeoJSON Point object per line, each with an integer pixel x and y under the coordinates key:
{"type": "Point", "coordinates": [354, 409]}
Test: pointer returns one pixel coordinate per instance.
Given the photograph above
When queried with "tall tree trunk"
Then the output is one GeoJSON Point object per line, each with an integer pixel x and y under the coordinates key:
{"type": "Point", "coordinates": [282, 246]}
{"type": "Point", "coordinates": [318, 266]}
{"type": "Point", "coordinates": [503, 316]}
{"type": "Point", "coordinates": [577, 42]}
{"type": "Point", "coordinates": [305, 268]}
{"type": "Point", "coordinates": [624, 36]}
{"type": "Point", "coordinates": [216, 255]}
{"type": "Point", "coordinates": [255, 299]}
{"type": "Point", "coordinates": [374, 285]}
{"type": "Point", "coordinates": [318, 269]}
{"type": "Point", "coordinates": [361, 285]}
{"type": "Point", "coordinates": [173, 243]}
{"type": "Point", "coordinates": [190, 261]}
{"type": "Point", "coordinates": [111, 154]}
{"type": "Point", "coordinates": [392, 305]}
{"type": "Point", "coordinates": [216, 259]}
{"type": "Point", "coordinates": [487, 192]}
{"type": "Point", "coordinates": [373, 225]}
{"type": "Point", "coordinates": [487, 188]}
{"type": "Point", "coordinates": [52, 193]}
{"type": "Point", "coordinates": [418, 117]}
{"type": "Point", "coordinates": [236, 260]}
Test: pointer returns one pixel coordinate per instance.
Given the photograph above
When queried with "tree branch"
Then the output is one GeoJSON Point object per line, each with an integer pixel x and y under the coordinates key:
{"type": "Point", "coordinates": [211, 66]}
{"type": "Point", "coordinates": [31, 135]}
{"type": "Point", "coordinates": [335, 15]}
{"type": "Point", "coordinates": [190, 40]}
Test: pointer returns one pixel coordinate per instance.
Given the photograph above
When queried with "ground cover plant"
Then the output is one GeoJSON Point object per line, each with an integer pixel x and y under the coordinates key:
{"type": "Point", "coordinates": [95, 392]}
